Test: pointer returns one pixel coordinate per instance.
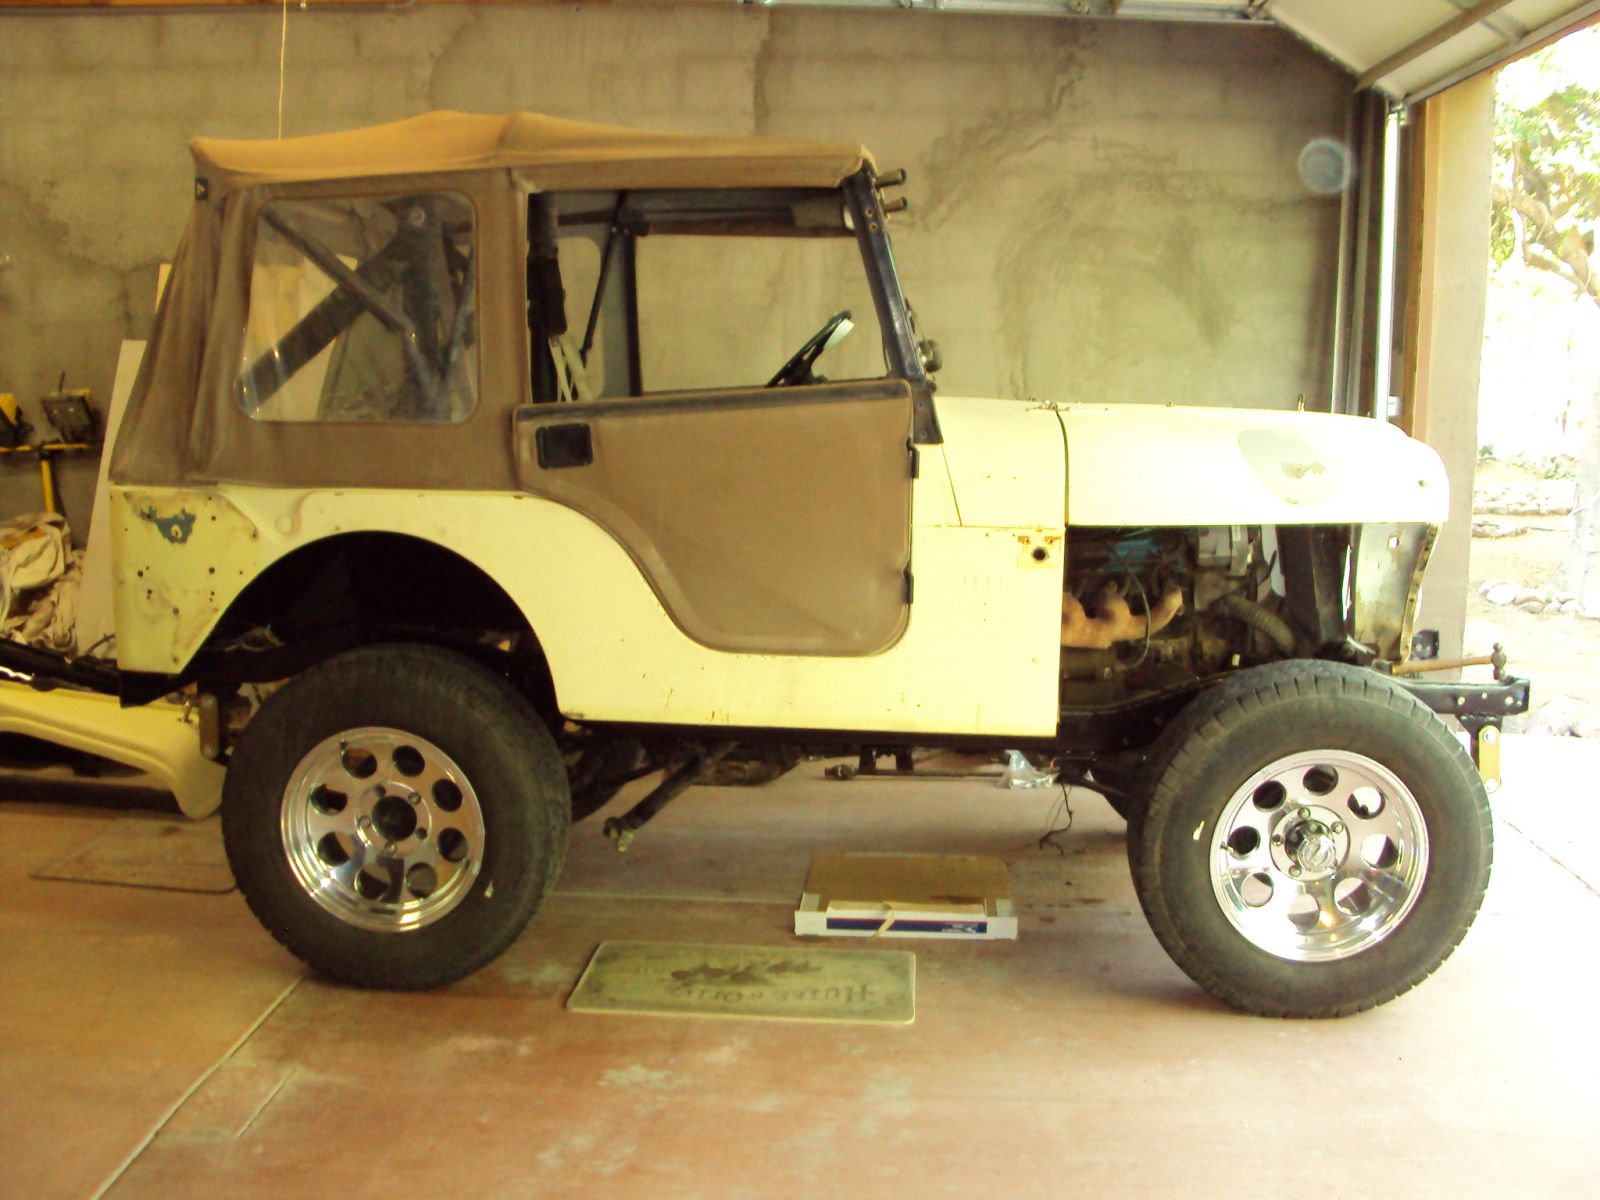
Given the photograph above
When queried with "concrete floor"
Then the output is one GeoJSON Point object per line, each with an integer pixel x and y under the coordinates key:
{"type": "Point", "coordinates": [160, 1044]}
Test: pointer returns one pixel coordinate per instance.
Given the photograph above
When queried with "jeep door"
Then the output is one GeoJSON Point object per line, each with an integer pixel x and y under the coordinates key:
{"type": "Point", "coordinates": [774, 522]}
{"type": "Point", "coordinates": [766, 519]}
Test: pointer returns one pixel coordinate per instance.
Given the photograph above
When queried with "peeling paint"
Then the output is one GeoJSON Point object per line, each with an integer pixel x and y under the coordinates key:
{"type": "Point", "coordinates": [1300, 470]}
{"type": "Point", "coordinates": [176, 528]}
{"type": "Point", "coordinates": [1289, 467]}
{"type": "Point", "coordinates": [1389, 564]}
{"type": "Point", "coordinates": [179, 557]}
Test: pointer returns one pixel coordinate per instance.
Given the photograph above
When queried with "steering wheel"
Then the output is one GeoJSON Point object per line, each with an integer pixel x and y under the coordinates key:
{"type": "Point", "coordinates": [798, 369]}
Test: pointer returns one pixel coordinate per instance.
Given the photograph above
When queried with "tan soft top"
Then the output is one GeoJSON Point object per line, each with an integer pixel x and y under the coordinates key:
{"type": "Point", "coordinates": [571, 153]}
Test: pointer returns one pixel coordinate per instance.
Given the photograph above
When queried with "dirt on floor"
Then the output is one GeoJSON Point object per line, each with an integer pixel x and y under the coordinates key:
{"type": "Point", "coordinates": [1557, 650]}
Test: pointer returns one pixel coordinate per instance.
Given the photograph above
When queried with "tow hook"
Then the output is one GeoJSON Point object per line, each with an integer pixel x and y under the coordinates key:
{"type": "Point", "coordinates": [1480, 708]}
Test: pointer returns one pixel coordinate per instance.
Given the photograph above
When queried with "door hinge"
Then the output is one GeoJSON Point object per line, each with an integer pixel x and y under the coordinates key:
{"type": "Point", "coordinates": [911, 586]}
{"type": "Point", "coordinates": [916, 461]}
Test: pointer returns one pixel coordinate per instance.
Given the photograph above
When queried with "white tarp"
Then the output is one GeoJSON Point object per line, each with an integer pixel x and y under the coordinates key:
{"type": "Point", "coordinates": [39, 573]}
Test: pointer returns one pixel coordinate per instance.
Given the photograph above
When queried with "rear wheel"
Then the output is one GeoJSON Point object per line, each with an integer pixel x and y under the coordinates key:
{"type": "Point", "coordinates": [395, 816]}
{"type": "Point", "coordinates": [1317, 843]}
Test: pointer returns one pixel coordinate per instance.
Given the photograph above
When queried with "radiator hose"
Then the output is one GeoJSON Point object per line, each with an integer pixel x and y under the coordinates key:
{"type": "Point", "coordinates": [1263, 620]}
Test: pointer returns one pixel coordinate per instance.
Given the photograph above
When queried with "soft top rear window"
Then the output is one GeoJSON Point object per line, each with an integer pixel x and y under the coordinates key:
{"type": "Point", "coordinates": [362, 309]}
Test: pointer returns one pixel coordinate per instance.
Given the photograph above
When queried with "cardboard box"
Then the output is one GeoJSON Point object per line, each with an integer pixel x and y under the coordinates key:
{"type": "Point", "coordinates": [906, 895]}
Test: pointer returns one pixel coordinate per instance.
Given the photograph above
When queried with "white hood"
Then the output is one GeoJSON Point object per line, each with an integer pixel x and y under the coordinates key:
{"type": "Point", "coordinates": [1136, 465]}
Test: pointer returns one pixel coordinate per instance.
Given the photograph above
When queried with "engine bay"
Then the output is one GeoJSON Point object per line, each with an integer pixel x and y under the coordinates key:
{"type": "Point", "coordinates": [1147, 609]}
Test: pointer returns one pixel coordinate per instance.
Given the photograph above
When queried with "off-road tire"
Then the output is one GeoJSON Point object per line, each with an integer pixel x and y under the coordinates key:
{"type": "Point", "coordinates": [1261, 717]}
{"type": "Point", "coordinates": [499, 743]}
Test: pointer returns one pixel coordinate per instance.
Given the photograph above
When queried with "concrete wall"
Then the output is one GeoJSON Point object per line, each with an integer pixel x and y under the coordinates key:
{"type": "Point", "coordinates": [1101, 210]}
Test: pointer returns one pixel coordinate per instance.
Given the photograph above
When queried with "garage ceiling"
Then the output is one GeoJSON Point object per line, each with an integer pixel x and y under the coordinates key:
{"type": "Point", "coordinates": [1409, 49]}
{"type": "Point", "coordinates": [1413, 48]}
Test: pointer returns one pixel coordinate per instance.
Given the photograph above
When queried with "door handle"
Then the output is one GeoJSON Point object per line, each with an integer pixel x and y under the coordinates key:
{"type": "Point", "coordinates": [570, 445]}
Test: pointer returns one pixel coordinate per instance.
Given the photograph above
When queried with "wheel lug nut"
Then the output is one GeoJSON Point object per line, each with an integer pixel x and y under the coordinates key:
{"type": "Point", "coordinates": [415, 799]}
{"type": "Point", "coordinates": [1277, 839]}
{"type": "Point", "coordinates": [1338, 827]}
{"type": "Point", "coordinates": [378, 792]}
{"type": "Point", "coordinates": [388, 847]}
{"type": "Point", "coordinates": [1304, 813]}
{"type": "Point", "coordinates": [1294, 870]}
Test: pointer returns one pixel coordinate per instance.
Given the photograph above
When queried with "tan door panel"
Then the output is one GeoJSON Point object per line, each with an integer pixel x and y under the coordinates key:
{"type": "Point", "coordinates": [767, 520]}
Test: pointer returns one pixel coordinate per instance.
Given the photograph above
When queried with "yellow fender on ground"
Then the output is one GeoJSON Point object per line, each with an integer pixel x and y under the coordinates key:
{"type": "Point", "coordinates": [154, 739]}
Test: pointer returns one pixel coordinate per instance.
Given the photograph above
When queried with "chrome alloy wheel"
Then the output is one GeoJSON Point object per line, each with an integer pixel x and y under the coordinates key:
{"type": "Point", "coordinates": [1319, 855]}
{"type": "Point", "coordinates": [382, 829]}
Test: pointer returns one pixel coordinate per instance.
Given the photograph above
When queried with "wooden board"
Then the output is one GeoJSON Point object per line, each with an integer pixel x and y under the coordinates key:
{"type": "Point", "coordinates": [922, 880]}
{"type": "Point", "coordinates": [959, 896]}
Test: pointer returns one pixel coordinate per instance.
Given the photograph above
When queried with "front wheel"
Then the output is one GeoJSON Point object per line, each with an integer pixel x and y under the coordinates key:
{"type": "Point", "coordinates": [395, 816]}
{"type": "Point", "coordinates": [1317, 843]}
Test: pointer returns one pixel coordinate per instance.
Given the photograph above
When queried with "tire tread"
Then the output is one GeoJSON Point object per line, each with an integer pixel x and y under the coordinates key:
{"type": "Point", "coordinates": [254, 847]}
{"type": "Point", "coordinates": [1213, 715]}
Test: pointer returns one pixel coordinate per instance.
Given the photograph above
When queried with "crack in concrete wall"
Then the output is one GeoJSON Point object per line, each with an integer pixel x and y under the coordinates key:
{"type": "Point", "coordinates": [970, 157]}
{"type": "Point", "coordinates": [761, 102]}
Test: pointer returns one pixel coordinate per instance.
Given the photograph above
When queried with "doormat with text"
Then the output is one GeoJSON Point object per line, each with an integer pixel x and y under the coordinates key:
{"type": "Point", "coordinates": [681, 979]}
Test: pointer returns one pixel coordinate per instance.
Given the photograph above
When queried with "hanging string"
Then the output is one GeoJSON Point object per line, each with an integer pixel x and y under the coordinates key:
{"type": "Point", "coordinates": [283, 56]}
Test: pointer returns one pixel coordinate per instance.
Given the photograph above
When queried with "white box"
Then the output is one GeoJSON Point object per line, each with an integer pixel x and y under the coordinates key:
{"type": "Point", "coordinates": [907, 895]}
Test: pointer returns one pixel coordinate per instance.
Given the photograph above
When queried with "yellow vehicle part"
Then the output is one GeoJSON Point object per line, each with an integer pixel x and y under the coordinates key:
{"type": "Point", "coordinates": [178, 558]}
{"type": "Point", "coordinates": [155, 739]}
{"type": "Point", "coordinates": [1489, 757]}
{"type": "Point", "coordinates": [978, 654]}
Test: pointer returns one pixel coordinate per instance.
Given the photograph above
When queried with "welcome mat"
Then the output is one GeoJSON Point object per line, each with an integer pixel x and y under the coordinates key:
{"type": "Point", "coordinates": [173, 854]}
{"type": "Point", "coordinates": [681, 979]}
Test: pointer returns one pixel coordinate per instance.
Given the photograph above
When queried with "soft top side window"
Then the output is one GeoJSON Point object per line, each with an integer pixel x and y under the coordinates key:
{"type": "Point", "coordinates": [639, 293]}
{"type": "Point", "coordinates": [362, 309]}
